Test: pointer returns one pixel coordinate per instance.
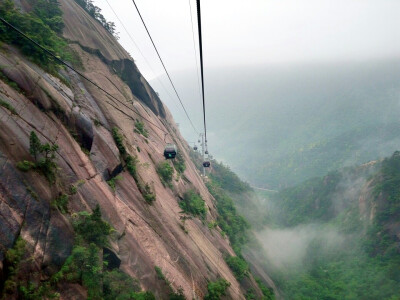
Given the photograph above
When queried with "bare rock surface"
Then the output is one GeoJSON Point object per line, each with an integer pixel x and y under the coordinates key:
{"type": "Point", "coordinates": [79, 119]}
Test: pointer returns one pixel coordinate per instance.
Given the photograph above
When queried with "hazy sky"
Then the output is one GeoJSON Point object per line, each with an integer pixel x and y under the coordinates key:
{"type": "Point", "coordinates": [239, 32]}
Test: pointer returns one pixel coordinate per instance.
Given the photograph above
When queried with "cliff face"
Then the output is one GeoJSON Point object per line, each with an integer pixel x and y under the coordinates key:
{"type": "Point", "coordinates": [78, 117]}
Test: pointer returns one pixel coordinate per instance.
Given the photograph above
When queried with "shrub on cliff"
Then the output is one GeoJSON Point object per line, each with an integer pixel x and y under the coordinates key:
{"type": "Point", "coordinates": [44, 155]}
{"type": "Point", "coordinates": [92, 228]}
{"type": "Point", "coordinates": [238, 266]}
{"type": "Point", "coordinates": [166, 172]}
{"type": "Point", "coordinates": [217, 289]}
{"type": "Point", "coordinates": [139, 128]}
{"type": "Point", "coordinates": [41, 25]}
{"type": "Point", "coordinates": [193, 204]}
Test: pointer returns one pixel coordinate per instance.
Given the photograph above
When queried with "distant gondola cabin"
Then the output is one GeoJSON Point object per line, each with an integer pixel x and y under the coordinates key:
{"type": "Point", "coordinates": [206, 164]}
{"type": "Point", "coordinates": [170, 151]}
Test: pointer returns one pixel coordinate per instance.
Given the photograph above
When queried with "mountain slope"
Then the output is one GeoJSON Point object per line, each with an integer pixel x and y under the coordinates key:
{"type": "Point", "coordinates": [341, 234]}
{"type": "Point", "coordinates": [286, 123]}
{"type": "Point", "coordinates": [101, 158]}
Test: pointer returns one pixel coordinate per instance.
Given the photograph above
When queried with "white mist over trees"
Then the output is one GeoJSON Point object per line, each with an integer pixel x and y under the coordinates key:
{"type": "Point", "coordinates": [283, 124]}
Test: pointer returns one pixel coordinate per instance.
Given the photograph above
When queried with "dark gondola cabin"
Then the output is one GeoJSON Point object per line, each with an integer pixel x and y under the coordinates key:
{"type": "Point", "coordinates": [206, 164]}
{"type": "Point", "coordinates": [206, 152]}
{"type": "Point", "coordinates": [195, 148]}
{"type": "Point", "coordinates": [170, 151]}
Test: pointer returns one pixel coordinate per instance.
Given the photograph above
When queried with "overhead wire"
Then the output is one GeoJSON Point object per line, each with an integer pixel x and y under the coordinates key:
{"type": "Point", "coordinates": [140, 51]}
{"type": "Point", "coordinates": [48, 52]}
{"type": "Point", "coordinates": [201, 66]}
{"type": "Point", "coordinates": [194, 47]}
{"type": "Point", "coordinates": [165, 69]}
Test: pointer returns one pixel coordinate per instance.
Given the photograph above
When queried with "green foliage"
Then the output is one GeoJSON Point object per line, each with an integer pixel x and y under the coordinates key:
{"type": "Point", "coordinates": [34, 145]}
{"type": "Point", "coordinates": [92, 228]}
{"type": "Point", "coordinates": [42, 25]}
{"type": "Point", "coordinates": [13, 258]}
{"type": "Point", "coordinates": [267, 292]}
{"type": "Point", "coordinates": [131, 165]}
{"type": "Point", "coordinates": [227, 180]}
{"type": "Point", "coordinates": [86, 267]}
{"type": "Point", "coordinates": [177, 295]}
{"type": "Point", "coordinates": [389, 186]}
{"type": "Point", "coordinates": [73, 189]}
{"type": "Point", "coordinates": [8, 106]}
{"type": "Point", "coordinates": [238, 266]}
{"type": "Point", "coordinates": [95, 12]}
{"type": "Point", "coordinates": [148, 194]}
{"type": "Point", "coordinates": [140, 129]}
{"type": "Point", "coordinates": [143, 296]}
{"type": "Point", "coordinates": [10, 83]}
{"type": "Point", "coordinates": [160, 274]}
{"type": "Point", "coordinates": [97, 123]}
{"type": "Point", "coordinates": [367, 266]}
{"type": "Point", "coordinates": [61, 202]}
{"type": "Point", "coordinates": [118, 285]}
{"type": "Point", "coordinates": [83, 266]}
{"type": "Point", "coordinates": [314, 199]}
{"type": "Point", "coordinates": [113, 181]}
{"type": "Point", "coordinates": [217, 289]}
{"type": "Point", "coordinates": [212, 225]}
{"type": "Point", "coordinates": [166, 172]}
{"type": "Point", "coordinates": [193, 204]}
{"type": "Point", "coordinates": [119, 140]}
{"type": "Point", "coordinates": [15, 254]}
{"type": "Point", "coordinates": [179, 163]}
{"type": "Point", "coordinates": [45, 164]}
{"type": "Point", "coordinates": [50, 13]}
{"type": "Point", "coordinates": [25, 165]}
{"type": "Point", "coordinates": [31, 192]}
{"type": "Point", "coordinates": [37, 292]}
{"type": "Point", "coordinates": [250, 295]}
{"type": "Point", "coordinates": [234, 225]}
{"type": "Point", "coordinates": [316, 190]}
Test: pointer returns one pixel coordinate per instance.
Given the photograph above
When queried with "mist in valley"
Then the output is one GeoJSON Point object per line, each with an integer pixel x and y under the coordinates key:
{"type": "Point", "coordinates": [285, 123]}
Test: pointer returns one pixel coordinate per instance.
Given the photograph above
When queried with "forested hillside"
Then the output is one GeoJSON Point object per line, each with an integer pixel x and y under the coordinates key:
{"type": "Point", "coordinates": [285, 123]}
{"type": "Point", "coordinates": [347, 231]}
{"type": "Point", "coordinates": [90, 208]}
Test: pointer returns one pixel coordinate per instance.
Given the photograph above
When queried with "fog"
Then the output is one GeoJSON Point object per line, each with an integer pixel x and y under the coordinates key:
{"type": "Point", "coordinates": [291, 77]}
{"type": "Point", "coordinates": [246, 33]}
{"type": "Point", "coordinates": [283, 124]}
{"type": "Point", "coordinates": [291, 249]}
{"type": "Point", "coordinates": [287, 248]}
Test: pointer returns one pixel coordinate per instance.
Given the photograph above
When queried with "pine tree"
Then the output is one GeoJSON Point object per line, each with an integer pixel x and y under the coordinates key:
{"type": "Point", "coordinates": [34, 145]}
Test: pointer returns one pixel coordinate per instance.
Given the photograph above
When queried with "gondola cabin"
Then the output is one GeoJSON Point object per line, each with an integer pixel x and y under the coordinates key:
{"type": "Point", "coordinates": [206, 164]}
{"type": "Point", "coordinates": [195, 148]}
{"type": "Point", "coordinates": [170, 151]}
{"type": "Point", "coordinates": [206, 152]}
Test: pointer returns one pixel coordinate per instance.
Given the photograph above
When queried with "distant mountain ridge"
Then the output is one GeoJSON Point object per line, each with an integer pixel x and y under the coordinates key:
{"type": "Point", "coordinates": [284, 124]}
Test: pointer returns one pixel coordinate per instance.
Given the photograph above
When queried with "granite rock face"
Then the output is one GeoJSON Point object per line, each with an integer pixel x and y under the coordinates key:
{"type": "Point", "coordinates": [79, 118]}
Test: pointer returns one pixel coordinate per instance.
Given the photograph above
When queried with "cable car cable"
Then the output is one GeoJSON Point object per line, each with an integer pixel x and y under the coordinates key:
{"type": "Point", "coordinates": [201, 66]}
{"type": "Point", "coordinates": [141, 53]}
{"type": "Point", "coordinates": [48, 52]}
{"type": "Point", "coordinates": [194, 47]}
{"type": "Point", "coordinates": [169, 77]}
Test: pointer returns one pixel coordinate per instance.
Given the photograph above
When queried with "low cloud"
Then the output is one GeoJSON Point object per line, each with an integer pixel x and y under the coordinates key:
{"type": "Point", "coordinates": [287, 248]}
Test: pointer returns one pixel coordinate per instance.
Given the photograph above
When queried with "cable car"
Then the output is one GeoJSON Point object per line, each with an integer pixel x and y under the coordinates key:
{"type": "Point", "coordinates": [170, 151]}
{"type": "Point", "coordinates": [195, 148]}
{"type": "Point", "coordinates": [206, 164]}
{"type": "Point", "coordinates": [206, 152]}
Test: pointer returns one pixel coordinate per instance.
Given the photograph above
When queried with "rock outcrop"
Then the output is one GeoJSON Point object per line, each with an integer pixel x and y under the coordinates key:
{"type": "Point", "coordinates": [78, 117]}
